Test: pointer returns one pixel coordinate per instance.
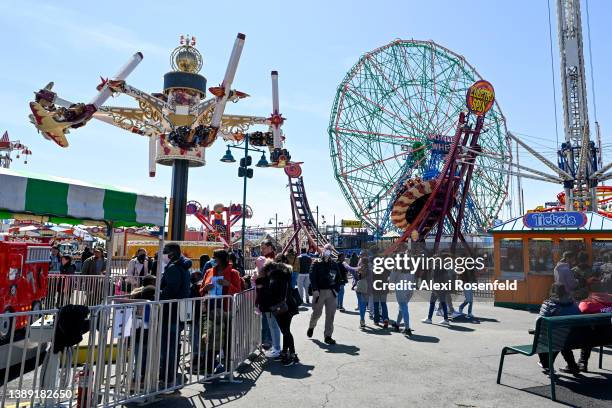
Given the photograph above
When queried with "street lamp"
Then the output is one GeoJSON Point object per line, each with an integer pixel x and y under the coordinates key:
{"type": "Point", "coordinates": [245, 172]}
{"type": "Point", "coordinates": [275, 228]}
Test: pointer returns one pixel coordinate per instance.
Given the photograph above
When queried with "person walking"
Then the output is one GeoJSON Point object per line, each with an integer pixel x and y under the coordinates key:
{"type": "Point", "coordinates": [583, 271]}
{"type": "Point", "coordinates": [174, 285]}
{"type": "Point", "coordinates": [303, 281]}
{"type": "Point", "coordinates": [95, 264]}
{"type": "Point", "coordinates": [353, 260]}
{"type": "Point", "coordinates": [277, 299]}
{"type": "Point", "coordinates": [469, 277]}
{"type": "Point", "coordinates": [293, 261]}
{"type": "Point", "coordinates": [137, 268]}
{"type": "Point", "coordinates": [361, 286]}
{"type": "Point", "coordinates": [344, 269]}
{"type": "Point", "coordinates": [438, 275]}
{"type": "Point", "coordinates": [270, 331]}
{"type": "Point", "coordinates": [325, 281]}
{"type": "Point", "coordinates": [563, 272]}
{"type": "Point", "coordinates": [403, 294]}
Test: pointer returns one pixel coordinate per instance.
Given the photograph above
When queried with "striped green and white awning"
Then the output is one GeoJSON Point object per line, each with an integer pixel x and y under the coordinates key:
{"type": "Point", "coordinates": [70, 201]}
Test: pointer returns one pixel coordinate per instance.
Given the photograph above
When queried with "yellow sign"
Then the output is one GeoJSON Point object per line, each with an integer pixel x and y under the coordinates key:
{"type": "Point", "coordinates": [352, 224]}
{"type": "Point", "coordinates": [480, 97]}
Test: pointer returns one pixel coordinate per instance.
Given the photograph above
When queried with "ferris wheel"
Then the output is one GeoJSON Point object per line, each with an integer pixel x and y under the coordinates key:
{"type": "Point", "coordinates": [392, 121]}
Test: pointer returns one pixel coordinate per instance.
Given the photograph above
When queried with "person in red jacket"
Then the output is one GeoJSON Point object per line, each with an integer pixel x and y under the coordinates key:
{"type": "Point", "coordinates": [222, 279]}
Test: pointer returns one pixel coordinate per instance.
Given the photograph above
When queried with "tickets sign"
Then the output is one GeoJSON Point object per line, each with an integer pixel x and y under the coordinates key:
{"type": "Point", "coordinates": [480, 97]}
{"type": "Point", "coordinates": [556, 219]}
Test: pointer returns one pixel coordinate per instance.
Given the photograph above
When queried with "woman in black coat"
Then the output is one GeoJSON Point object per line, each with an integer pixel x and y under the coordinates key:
{"type": "Point", "coordinates": [275, 297]}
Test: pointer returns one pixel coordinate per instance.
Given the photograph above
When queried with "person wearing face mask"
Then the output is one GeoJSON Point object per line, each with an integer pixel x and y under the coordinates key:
{"type": "Point", "coordinates": [175, 284]}
{"type": "Point", "coordinates": [137, 267]}
{"type": "Point", "coordinates": [325, 279]}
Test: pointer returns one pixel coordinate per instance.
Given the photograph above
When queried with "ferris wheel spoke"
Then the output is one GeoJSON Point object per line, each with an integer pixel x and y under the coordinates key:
{"type": "Point", "coordinates": [394, 88]}
{"type": "Point", "coordinates": [417, 88]}
{"type": "Point", "coordinates": [365, 98]}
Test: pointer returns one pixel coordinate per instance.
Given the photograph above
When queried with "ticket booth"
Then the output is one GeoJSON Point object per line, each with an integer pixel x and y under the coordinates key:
{"type": "Point", "coordinates": [526, 249]}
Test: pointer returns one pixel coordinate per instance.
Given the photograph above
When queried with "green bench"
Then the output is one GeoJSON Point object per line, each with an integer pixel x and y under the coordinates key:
{"type": "Point", "coordinates": [564, 332]}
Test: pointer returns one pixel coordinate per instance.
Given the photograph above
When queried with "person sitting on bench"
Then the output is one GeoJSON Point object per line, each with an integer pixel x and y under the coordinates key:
{"type": "Point", "coordinates": [560, 303]}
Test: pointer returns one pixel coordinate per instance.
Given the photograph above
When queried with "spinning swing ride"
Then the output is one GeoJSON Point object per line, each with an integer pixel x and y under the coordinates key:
{"type": "Point", "coordinates": [179, 122]}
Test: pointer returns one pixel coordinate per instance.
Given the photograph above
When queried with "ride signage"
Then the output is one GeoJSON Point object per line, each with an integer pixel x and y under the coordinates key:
{"type": "Point", "coordinates": [557, 219]}
{"type": "Point", "coordinates": [480, 97]}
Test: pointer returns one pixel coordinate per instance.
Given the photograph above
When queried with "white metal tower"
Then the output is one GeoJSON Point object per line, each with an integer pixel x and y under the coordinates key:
{"type": "Point", "coordinates": [577, 155]}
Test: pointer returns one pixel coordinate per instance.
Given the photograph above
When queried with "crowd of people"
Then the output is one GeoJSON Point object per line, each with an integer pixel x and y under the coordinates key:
{"type": "Point", "coordinates": [285, 282]}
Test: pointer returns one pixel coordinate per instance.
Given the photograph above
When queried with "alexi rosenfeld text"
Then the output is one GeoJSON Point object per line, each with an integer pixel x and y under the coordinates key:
{"type": "Point", "coordinates": [456, 266]}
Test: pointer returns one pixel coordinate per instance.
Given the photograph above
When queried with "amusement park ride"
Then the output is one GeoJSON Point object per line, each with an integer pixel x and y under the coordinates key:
{"type": "Point", "coordinates": [180, 123]}
{"type": "Point", "coordinates": [8, 146]}
{"type": "Point", "coordinates": [218, 221]}
{"type": "Point", "coordinates": [399, 166]}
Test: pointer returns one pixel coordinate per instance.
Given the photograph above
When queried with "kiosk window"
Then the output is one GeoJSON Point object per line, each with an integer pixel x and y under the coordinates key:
{"type": "Point", "coordinates": [511, 254]}
{"type": "Point", "coordinates": [572, 245]}
{"type": "Point", "coordinates": [541, 256]}
{"type": "Point", "coordinates": [602, 250]}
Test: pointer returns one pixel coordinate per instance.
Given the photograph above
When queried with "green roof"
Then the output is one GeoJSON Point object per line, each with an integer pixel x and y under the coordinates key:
{"type": "Point", "coordinates": [71, 201]}
{"type": "Point", "coordinates": [595, 223]}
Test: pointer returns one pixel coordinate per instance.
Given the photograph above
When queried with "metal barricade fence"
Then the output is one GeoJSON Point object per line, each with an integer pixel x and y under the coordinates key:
{"type": "Point", "coordinates": [132, 351]}
{"type": "Point", "coordinates": [87, 290]}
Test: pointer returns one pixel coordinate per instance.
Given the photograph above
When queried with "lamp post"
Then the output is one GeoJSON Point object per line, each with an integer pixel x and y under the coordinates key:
{"type": "Point", "coordinates": [275, 227]}
{"type": "Point", "coordinates": [245, 172]}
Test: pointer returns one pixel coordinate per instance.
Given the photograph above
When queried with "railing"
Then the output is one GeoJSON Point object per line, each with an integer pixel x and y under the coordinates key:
{"type": "Point", "coordinates": [130, 352]}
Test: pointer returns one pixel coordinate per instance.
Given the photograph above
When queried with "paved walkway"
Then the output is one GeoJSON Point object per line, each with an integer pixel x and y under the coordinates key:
{"type": "Point", "coordinates": [438, 367]}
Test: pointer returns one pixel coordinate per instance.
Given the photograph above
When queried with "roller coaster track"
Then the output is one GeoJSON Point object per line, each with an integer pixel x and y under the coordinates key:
{"type": "Point", "coordinates": [302, 218]}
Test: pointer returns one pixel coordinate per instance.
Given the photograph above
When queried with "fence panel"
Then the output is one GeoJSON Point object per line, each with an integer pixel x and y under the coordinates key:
{"type": "Point", "coordinates": [131, 350]}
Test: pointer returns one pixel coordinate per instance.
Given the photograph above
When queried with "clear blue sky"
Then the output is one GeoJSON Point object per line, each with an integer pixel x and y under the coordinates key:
{"type": "Point", "coordinates": [312, 44]}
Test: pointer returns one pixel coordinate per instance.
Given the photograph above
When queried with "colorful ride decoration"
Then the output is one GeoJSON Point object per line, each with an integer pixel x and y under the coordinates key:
{"type": "Point", "coordinates": [8, 146]}
{"type": "Point", "coordinates": [219, 220]}
{"type": "Point", "coordinates": [392, 128]}
{"type": "Point", "coordinates": [603, 195]}
{"type": "Point", "coordinates": [179, 122]}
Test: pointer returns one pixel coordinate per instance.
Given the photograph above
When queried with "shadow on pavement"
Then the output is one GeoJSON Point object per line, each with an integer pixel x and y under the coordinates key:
{"type": "Point", "coordinates": [216, 392]}
{"type": "Point", "coordinates": [579, 391]}
{"type": "Point", "coordinates": [338, 348]}
{"type": "Point", "coordinates": [458, 328]}
{"type": "Point", "coordinates": [297, 371]}
{"type": "Point", "coordinates": [349, 312]}
{"type": "Point", "coordinates": [379, 331]}
{"type": "Point", "coordinates": [423, 339]}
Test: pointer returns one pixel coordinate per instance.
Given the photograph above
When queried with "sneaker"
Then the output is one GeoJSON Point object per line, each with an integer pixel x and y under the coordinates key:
{"type": "Point", "coordinates": [330, 341]}
{"type": "Point", "coordinates": [456, 314]}
{"type": "Point", "coordinates": [470, 316]}
{"type": "Point", "coordinates": [395, 327]}
{"type": "Point", "coordinates": [309, 332]}
{"type": "Point", "coordinates": [290, 360]}
{"type": "Point", "coordinates": [266, 346]}
{"type": "Point", "coordinates": [272, 353]}
{"type": "Point", "coordinates": [281, 357]}
{"type": "Point", "coordinates": [362, 324]}
{"type": "Point", "coordinates": [575, 370]}
{"type": "Point", "coordinates": [385, 323]}
{"type": "Point", "coordinates": [426, 321]}
{"type": "Point", "coordinates": [341, 308]}
{"type": "Point", "coordinates": [408, 332]}
{"type": "Point", "coordinates": [444, 322]}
